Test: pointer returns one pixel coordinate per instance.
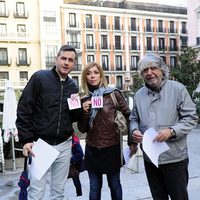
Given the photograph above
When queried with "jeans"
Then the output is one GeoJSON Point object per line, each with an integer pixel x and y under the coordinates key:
{"type": "Point", "coordinates": [169, 180]}
{"type": "Point", "coordinates": [58, 175]}
{"type": "Point", "coordinates": [114, 184]}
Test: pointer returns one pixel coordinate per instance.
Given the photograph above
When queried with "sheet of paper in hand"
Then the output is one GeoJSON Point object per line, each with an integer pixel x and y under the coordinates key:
{"type": "Point", "coordinates": [97, 102]}
{"type": "Point", "coordinates": [74, 102]}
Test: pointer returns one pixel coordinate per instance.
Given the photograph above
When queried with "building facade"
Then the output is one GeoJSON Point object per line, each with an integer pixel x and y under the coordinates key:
{"type": "Point", "coordinates": [113, 33]}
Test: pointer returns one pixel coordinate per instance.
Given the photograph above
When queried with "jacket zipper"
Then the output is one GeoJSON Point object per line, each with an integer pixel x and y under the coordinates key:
{"type": "Point", "coordinates": [60, 108]}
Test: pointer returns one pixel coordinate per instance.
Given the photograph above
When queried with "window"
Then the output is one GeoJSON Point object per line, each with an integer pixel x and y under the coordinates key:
{"type": "Point", "coordinates": [90, 58]}
{"type": "Point", "coordinates": [22, 56]}
{"type": "Point", "coordinates": [173, 61]}
{"type": "Point", "coordinates": [103, 22]}
{"type": "Point", "coordinates": [184, 41]}
{"type": "Point", "coordinates": [133, 43]}
{"type": "Point", "coordinates": [89, 41]}
{"type": "Point", "coordinates": [118, 62]}
{"type": "Point", "coordinates": [3, 56]}
{"type": "Point", "coordinates": [161, 43]}
{"type": "Point", "coordinates": [119, 84]}
{"type": "Point", "coordinates": [164, 58]}
{"type": "Point", "coordinates": [4, 76]}
{"type": "Point", "coordinates": [134, 62]}
{"type": "Point", "coordinates": [20, 9]}
{"type": "Point", "coordinates": [184, 29]}
{"type": "Point", "coordinates": [74, 40]}
{"type": "Point", "coordinates": [173, 46]}
{"type": "Point", "coordinates": [107, 79]}
{"type": "Point", "coordinates": [3, 30]}
{"type": "Point", "coordinates": [105, 62]}
{"type": "Point", "coordinates": [23, 75]}
{"type": "Point", "coordinates": [117, 42]}
{"type": "Point", "coordinates": [104, 42]}
{"type": "Point", "coordinates": [133, 24]}
{"type": "Point", "coordinates": [49, 20]}
{"type": "Point", "coordinates": [88, 19]}
{"type": "Point", "coordinates": [148, 25]}
{"type": "Point", "coordinates": [76, 80]}
{"type": "Point", "coordinates": [160, 26]}
{"type": "Point", "coordinates": [117, 23]}
{"type": "Point", "coordinates": [149, 42]}
{"type": "Point", "coordinates": [171, 27]}
{"type": "Point", "coordinates": [50, 54]}
{"type": "Point", "coordinates": [21, 30]}
{"type": "Point", "coordinates": [2, 8]}
{"type": "Point", "coordinates": [72, 19]}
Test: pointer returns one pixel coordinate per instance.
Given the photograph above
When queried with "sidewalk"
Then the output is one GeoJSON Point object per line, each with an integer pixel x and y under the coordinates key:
{"type": "Point", "coordinates": [134, 185]}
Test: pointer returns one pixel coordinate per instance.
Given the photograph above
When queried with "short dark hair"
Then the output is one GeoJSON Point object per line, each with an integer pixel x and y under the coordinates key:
{"type": "Point", "coordinates": [66, 47]}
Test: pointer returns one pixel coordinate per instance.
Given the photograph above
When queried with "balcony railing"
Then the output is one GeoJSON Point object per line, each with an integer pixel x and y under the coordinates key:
{"type": "Point", "coordinates": [23, 61]}
{"type": "Point", "coordinates": [76, 45]}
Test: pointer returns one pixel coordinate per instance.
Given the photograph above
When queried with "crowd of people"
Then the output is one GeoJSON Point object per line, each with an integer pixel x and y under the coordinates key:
{"type": "Point", "coordinates": [44, 112]}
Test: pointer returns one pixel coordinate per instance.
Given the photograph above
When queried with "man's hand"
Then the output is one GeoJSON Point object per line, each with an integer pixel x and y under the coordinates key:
{"type": "Point", "coordinates": [137, 136]}
{"type": "Point", "coordinates": [163, 135]}
{"type": "Point", "coordinates": [133, 149]}
{"type": "Point", "coordinates": [27, 148]}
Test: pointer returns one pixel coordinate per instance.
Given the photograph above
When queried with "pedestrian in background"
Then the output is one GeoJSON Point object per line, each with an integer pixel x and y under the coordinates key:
{"type": "Point", "coordinates": [77, 162]}
{"type": "Point", "coordinates": [166, 106]}
{"type": "Point", "coordinates": [43, 112]}
{"type": "Point", "coordinates": [102, 152]}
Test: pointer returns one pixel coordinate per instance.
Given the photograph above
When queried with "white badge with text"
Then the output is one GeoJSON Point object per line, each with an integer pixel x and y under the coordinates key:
{"type": "Point", "coordinates": [74, 102]}
{"type": "Point", "coordinates": [97, 102]}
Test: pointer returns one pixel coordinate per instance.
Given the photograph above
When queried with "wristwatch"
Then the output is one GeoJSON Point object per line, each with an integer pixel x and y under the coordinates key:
{"type": "Point", "coordinates": [173, 133]}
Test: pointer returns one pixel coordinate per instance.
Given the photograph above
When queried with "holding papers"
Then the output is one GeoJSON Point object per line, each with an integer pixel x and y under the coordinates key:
{"type": "Point", "coordinates": [153, 149]}
{"type": "Point", "coordinates": [45, 155]}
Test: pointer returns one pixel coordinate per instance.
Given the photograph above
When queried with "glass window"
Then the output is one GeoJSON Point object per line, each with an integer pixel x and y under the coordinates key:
{"type": "Point", "coordinates": [3, 56]}
{"type": "Point", "coordinates": [161, 44]}
{"type": "Point", "coordinates": [173, 46]}
{"type": "Point", "coordinates": [171, 27]}
{"type": "Point", "coordinates": [117, 42]}
{"type": "Point", "coordinates": [134, 62]}
{"type": "Point", "coordinates": [160, 25]}
{"type": "Point", "coordinates": [133, 24]}
{"type": "Point", "coordinates": [72, 19]}
{"type": "Point", "coordinates": [173, 61]}
{"type": "Point", "coordinates": [23, 75]}
{"type": "Point", "coordinates": [148, 25]}
{"type": "Point", "coordinates": [119, 84]}
{"type": "Point", "coordinates": [118, 62]}
{"type": "Point", "coordinates": [50, 55]}
{"type": "Point", "coordinates": [103, 22]}
{"type": "Point", "coordinates": [90, 58]}
{"type": "Point", "coordinates": [184, 29]}
{"type": "Point", "coordinates": [2, 8]}
{"type": "Point", "coordinates": [22, 56]}
{"type": "Point", "coordinates": [3, 30]}
{"type": "Point", "coordinates": [104, 42]}
{"type": "Point", "coordinates": [20, 9]}
{"type": "Point", "coordinates": [133, 43]}
{"type": "Point", "coordinates": [105, 62]}
{"type": "Point", "coordinates": [89, 41]}
{"type": "Point", "coordinates": [4, 75]}
{"type": "Point", "coordinates": [117, 23]}
{"type": "Point", "coordinates": [88, 19]}
{"type": "Point", "coordinates": [149, 43]}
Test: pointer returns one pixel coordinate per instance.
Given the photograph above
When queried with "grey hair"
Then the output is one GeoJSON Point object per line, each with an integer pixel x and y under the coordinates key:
{"type": "Point", "coordinates": [153, 60]}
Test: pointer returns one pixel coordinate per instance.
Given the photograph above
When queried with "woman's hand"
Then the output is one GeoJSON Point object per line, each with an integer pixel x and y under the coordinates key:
{"type": "Point", "coordinates": [87, 106]}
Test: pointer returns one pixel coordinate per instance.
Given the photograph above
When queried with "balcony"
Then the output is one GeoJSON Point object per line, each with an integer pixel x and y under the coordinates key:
{"type": "Point", "coordinates": [21, 15]}
{"type": "Point", "coordinates": [76, 45]}
{"type": "Point", "coordinates": [78, 67]}
{"type": "Point", "coordinates": [23, 62]}
{"type": "Point", "coordinates": [6, 62]}
{"type": "Point", "coordinates": [4, 13]}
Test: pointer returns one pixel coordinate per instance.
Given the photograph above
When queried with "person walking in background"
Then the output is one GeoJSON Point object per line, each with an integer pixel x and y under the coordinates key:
{"type": "Point", "coordinates": [102, 152]}
{"type": "Point", "coordinates": [43, 112]}
{"type": "Point", "coordinates": [166, 106]}
{"type": "Point", "coordinates": [77, 162]}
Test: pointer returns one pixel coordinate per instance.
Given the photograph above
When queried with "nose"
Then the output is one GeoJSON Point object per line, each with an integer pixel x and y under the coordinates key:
{"type": "Point", "coordinates": [149, 71]}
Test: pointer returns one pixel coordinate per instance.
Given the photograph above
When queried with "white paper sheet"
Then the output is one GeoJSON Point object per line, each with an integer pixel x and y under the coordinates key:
{"type": "Point", "coordinates": [126, 153]}
{"type": "Point", "coordinates": [153, 149]}
{"type": "Point", "coordinates": [45, 155]}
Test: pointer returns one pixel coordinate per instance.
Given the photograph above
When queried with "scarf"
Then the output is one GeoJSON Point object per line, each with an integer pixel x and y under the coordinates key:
{"type": "Point", "coordinates": [98, 92]}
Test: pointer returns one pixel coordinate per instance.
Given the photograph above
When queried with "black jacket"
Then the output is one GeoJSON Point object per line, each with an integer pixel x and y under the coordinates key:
{"type": "Point", "coordinates": [43, 110]}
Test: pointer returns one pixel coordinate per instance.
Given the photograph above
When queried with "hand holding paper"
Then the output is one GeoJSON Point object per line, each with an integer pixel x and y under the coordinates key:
{"type": "Point", "coordinates": [41, 162]}
{"type": "Point", "coordinates": [153, 149]}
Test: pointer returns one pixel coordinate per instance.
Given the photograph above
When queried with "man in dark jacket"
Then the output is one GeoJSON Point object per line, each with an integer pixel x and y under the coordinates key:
{"type": "Point", "coordinates": [43, 112]}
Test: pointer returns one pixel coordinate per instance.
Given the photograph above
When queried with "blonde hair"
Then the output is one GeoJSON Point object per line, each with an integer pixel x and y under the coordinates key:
{"type": "Point", "coordinates": [84, 76]}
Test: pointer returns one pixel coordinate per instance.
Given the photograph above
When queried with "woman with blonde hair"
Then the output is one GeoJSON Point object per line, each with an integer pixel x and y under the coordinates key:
{"type": "Point", "coordinates": [102, 152]}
